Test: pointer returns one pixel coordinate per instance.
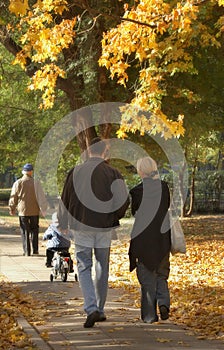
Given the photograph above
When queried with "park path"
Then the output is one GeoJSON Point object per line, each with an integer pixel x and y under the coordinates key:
{"type": "Point", "coordinates": [64, 321]}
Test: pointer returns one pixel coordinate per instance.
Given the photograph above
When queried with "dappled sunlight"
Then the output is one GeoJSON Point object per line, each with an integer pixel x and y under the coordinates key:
{"type": "Point", "coordinates": [196, 282]}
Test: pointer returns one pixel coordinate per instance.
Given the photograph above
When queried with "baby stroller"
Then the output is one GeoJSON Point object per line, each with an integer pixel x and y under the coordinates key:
{"type": "Point", "coordinates": [62, 265]}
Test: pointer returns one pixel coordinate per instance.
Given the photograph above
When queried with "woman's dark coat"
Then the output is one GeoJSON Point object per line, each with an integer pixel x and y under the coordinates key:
{"type": "Point", "coordinates": [150, 237]}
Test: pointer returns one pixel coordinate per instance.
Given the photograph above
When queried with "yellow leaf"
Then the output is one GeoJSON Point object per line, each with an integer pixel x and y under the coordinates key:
{"type": "Point", "coordinates": [45, 335]}
{"type": "Point", "coordinates": [163, 340]}
{"type": "Point", "coordinates": [18, 7]}
{"type": "Point", "coordinates": [121, 134]}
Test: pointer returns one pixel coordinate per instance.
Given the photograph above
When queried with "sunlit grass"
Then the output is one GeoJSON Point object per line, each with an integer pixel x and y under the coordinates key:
{"type": "Point", "coordinates": [13, 220]}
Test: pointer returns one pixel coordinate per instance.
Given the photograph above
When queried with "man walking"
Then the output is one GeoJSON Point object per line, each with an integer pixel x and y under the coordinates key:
{"type": "Point", "coordinates": [28, 198]}
{"type": "Point", "coordinates": [93, 200]}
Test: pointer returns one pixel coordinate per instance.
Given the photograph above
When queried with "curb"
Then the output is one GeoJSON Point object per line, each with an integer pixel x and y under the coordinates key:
{"type": "Point", "coordinates": [34, 335]}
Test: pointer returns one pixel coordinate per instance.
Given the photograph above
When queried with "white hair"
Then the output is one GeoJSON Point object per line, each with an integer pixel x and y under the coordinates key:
{"type": "Point", "coordinates": [24, 172]}
{"type": "Point", "coordinates": [148, 167]}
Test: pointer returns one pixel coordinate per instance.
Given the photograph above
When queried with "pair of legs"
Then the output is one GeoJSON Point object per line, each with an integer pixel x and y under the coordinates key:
{"type": "Point", "coordinates": [154, 290]}
{"type": "Point", "coordinates": [94, 290]}
{"type": "Point", "coordinates": [29, 228]}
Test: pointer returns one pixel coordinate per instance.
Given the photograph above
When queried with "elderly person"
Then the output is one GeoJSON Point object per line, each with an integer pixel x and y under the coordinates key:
{"type": "Point", "coordinates": [28, 198]}
{"type": "Point", "coordinates": [150, 246]}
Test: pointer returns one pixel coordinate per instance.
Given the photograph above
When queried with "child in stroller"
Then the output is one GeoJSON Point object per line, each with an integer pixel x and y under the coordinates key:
{"type": "Point", "coordinates": [57, 242]}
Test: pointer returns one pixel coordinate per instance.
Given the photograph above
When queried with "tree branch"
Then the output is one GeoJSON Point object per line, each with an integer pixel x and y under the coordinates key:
{"type": "Point", "coordinates": [8, 42]}
{"type": "Point", "coordinates": [18, 109]}
{"type": "Point", "coordinates": [62, 84]}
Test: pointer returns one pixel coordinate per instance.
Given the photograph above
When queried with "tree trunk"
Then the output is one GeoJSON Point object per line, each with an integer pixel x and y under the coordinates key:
{"type": "Point", "coordinates": [220, 162]}
{"type": "Point", "coordinates": [181, 182]}
{"type": "Point", "coordinates": [192, 187]}
{"type": "Point", "coordinates": [82, 118]}
{"type": "Point", "coordinates": [105, 126]}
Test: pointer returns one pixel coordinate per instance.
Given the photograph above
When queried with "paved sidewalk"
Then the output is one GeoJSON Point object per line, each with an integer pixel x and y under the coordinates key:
{"type": "Point", "coordinates": [65, 317]}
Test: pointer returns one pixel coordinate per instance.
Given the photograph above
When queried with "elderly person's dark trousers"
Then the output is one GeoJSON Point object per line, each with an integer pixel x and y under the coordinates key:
{"type": "Point", "coordinates": [29, 227]}
{"type": "Point", "coordinates": [154, 289]}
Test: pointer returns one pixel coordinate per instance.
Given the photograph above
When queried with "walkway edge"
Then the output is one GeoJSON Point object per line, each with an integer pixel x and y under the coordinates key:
{"type": "Point", "coordinates": [35, 337]}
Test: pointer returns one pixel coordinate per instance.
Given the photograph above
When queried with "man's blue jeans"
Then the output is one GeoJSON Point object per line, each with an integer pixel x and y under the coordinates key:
{"type": "Point", "coordinates": [94, 291]}
{"type": "Point", "coordinates": [154, 289]}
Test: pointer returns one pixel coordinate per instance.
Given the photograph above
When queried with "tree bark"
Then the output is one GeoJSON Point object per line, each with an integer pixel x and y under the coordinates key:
{"type": "Point", "coordinates": [181, 181]}
{"type": "Point", "coordinates": [192, 186]}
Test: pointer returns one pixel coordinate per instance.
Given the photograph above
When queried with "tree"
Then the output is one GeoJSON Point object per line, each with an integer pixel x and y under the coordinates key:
{"type": "Point", "coordinates": [153, 41]}
{"type": "Point", "coordinates": [165, 53]}
{"type": "Point", "coordinates": [22, 124]}
{"type": "Point", "coordinates": [178, 56]}
{"type": "Point", "coordinates": [203, 116]}
{"type": "Point", "coordinates": [164, 41]}
{"type": "Point", "coordinates": [57, 43]}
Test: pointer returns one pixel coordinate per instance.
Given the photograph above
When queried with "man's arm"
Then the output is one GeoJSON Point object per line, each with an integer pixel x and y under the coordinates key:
{"type": "Point", "coordinates": [121, 195]}
{"type": "Point", "coordinates": [13, 200]}
{"type": "Point", "coordinates": [41, 198]}
{"type": "Point", "coordinates": [63, 208]}
{"type": "Point", "coordinates": [136, 198]}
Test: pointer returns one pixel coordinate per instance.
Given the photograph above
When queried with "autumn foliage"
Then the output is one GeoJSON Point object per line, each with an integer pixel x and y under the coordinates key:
{"type": "Point", "coordinates": [43, 41]}
{"type": "Point", "coordinates": [156, 39]}
{"type": "Point", "coordinates": [160, 38]}
{"type": "Point", "coordinates": [13, 304]}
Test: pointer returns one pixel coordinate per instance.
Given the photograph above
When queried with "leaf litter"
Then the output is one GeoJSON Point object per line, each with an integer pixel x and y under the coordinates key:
{"type": "Point", "coordinates": [196, 279]}
{"type": "Point", "coordinates": [196, 285]}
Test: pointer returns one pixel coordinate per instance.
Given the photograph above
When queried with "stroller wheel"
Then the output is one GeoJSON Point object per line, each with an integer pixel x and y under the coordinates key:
{"type": "Point", "coordinates": [51, 277]}
{"type": "Point", "coordinates": [64, 275]}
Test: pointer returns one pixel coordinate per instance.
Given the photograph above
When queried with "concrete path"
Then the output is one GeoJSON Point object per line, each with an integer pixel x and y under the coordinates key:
{"type": "Point", "coordinates": [65, 317]}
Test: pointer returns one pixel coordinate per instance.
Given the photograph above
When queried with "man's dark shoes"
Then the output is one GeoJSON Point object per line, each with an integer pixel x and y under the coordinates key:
{"type": "Point", "coordinates": [91, 319]}
{"type": "Point", "coordinates": [102, 317]}
{"type": "Point", "coordinates": [164, 312]}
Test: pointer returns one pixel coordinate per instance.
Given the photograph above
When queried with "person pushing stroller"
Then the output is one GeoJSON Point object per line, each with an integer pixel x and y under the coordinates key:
{"type": "Point", "coordinates": [57, 241]}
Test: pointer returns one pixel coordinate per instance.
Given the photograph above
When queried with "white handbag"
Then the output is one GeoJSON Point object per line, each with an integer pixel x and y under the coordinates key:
{"type": "Point", "coordinates": [178, 244]}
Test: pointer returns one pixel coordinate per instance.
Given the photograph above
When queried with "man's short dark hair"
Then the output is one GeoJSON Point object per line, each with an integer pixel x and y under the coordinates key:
{"type": "Point", "coordinates": [97, 146]}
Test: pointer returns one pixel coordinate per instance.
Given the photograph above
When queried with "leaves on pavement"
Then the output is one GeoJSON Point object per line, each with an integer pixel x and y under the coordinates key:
{"type": "Point", "coordinates": [196, 286]}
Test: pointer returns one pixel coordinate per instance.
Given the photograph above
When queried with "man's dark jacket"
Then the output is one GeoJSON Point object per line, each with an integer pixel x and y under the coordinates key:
{"type": "Point", "coordinates": [91, 199]}
{"type": "Point", "coordinates": [150, 237]}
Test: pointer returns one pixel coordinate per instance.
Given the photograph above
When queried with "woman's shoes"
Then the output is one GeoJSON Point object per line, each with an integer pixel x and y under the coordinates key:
{"type": "Point", "coordinates": [164, 312]}
{"type": "Point", "coordinates": [102, 317]}
{"type": "Point", "coordinates": [147, 320]}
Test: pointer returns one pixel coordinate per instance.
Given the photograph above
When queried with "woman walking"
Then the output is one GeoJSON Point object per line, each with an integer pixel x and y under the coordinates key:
{"type": "Point", "coordinates": [150, 243]}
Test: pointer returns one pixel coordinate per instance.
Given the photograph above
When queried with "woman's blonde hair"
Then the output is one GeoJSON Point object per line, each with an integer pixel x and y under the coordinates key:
{"type": "Point", "coordinates": [148, 167]}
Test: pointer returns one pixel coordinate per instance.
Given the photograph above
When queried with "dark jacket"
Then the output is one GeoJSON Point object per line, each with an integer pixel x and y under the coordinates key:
{"type": "Point", "coordinates": [150, 203]}
{"type": "Point", "coordinates": [92, 198]}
